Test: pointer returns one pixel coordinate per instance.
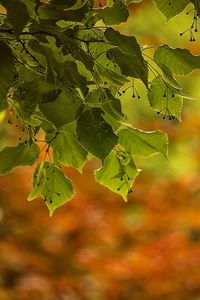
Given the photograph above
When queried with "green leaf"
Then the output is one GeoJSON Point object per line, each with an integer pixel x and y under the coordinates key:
{"type": "Point", "coordinates": [127, 55]}
{"type": "Point", "coordinates": [22, 155]}
{"type": "Point", "coordinates": [52, 185]}
{"type": "Point", "coordinates": [95, 134]}
{"type": "Point", "coordinates": [64, 110]}
{"type": "Point", "coordinates": [37, 186]}
{"type": "Point", "coordinates": [71, 76]}
{"type": "Point", "coordinates": [111, 106]}
{"type": "Point", "coordinates": [163, 99]}
{"type": "Point", "coordinates": [179, 61]}
{"type": "Point", "coordinates": [171, 8]}
{"type": "Point", "coordinates": [168, 77]}
{"type": "Point", "coordinates": [33, 89]}
{"type": "Point", "coordinates": [103, 98]}
{"type": "Point", "coordinates": [57, 12]}
{"type": "Point", "coordinates": [111, 77]}
{"type": "Point", "coordinates": [144, 143]}
{"type": "Point", "coordinates": [30, 6]}
{"type": "Point", "coordinates": [98, 51]}
{"type": "Point", "coordinates": [48, 58]}
{"type": "Point", "coordinates": [70, 46]}
{"type": "Point", "coordinates": [118, 173]}
{"type": "Point", "coordinates": [116, 14]}
{"type": "Point", "coordinates": [6, 71]}
{"type": "Point", "coordinates": [17, 14]}
{"type": "Point", "coordinates": [67, 151]}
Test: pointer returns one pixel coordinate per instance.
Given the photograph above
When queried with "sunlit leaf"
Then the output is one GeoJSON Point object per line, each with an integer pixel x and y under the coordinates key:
{"type": "Point", "coordinates": [127, 55]}
{"type": "Point", "coordinates": [144, 143]}
{"type": "Point", "coordinates": [65, 109]}
{"type": "Point", "coordinates": [179, 61]}
{"type": "Point", "coordinates": [52, 185]}
{"type": "Point", "coordinates": [114, 15]}
{"type": "Point", "coordinates": [22, 155]}
{"type": "Point", "coordinates": [171, 8]}
{"type": "Point", "coordinates": [164, 100]}
{"type": "Point", "coordinates": [67, 151]}
{"type": "Point", "coordinates": [118, 173]}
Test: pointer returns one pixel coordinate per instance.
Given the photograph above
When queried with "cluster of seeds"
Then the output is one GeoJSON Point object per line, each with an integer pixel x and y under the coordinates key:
{"type": "Point", "coordinates": [194, 25]}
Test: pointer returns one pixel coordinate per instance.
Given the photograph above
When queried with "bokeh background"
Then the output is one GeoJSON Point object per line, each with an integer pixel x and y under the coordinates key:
{"type": "Point", "coordinates": [97, 247]}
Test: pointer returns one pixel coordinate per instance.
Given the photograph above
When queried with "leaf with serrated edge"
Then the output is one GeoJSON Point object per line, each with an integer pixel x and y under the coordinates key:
{"type": "Point", "coordinates": [64, 110]}
{"type": "Point", "coordinates": [178, 61]}
{"type": "Point", "coordinates": [116, 14]}
{"type": "Point", "coordinates": [21, 155]}
{"type": "Point", "coordinates": [67, 151]}
{"type": "Point", "coordinates": [171, 8]}
{"type": "Point", "coordinates": [94, 134]}
{"type": "Point", "coordinates": [52, 185]}
{"type": "Point", "coordinates": [144, 143]}
{"type": "Point", "coordinates": [116, 178]}
{"type": "Point", "coordinates": [160, 100]}
{"type": "Point", "coordinates": [127, 55]}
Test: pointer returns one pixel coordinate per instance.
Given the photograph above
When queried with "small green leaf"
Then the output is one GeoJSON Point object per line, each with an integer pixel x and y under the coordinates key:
{"type": "Point", "coordinates": [107, 102]}
{"type": "Point", "coordinates": [164, 100]}
{"type": "Point", "coordinates": [171, 8]}
{"type": "Point", "coordinates": [70, 45]}
{"type": "Point", "coordinates": [46, 58]}
{"type": "Point", "coordinates": [168, 77]}
{"type": "Point", "coordinates": [33, 89]}
{"type": "Point", "coordinates": [52, 185]}
{"type": "Point", "coordinates": [111, 77]}
{"type": "Point", "coordinates": [95, 134]}
{"type": "Point", "coordinates": [144, 143]}
{"type": "Point", "coordinates": [22, 155]}
{"type": "Point", "coordinates": [37, 186]}
{"type": "Point", "coordinates": [72, 77]}
{"type": "Point", "coordinates": [127, 55]}
{"type": "Point", "coordinates": [17, 14]}
{"type": "Point", "coordinates": [179, 61]}
{"type": "Point", "coordinates": [30, 6]}
{"type": "Point", "coordinates": [64, 110]}
{"type": "Point", "coordinates": [118, 173]}
{"type": "Point", "coordinates": [116, 14]}
{"type": "Point", "coordinates": [57, 12]}
{"type": "Point", "coordinates": [67, 151]}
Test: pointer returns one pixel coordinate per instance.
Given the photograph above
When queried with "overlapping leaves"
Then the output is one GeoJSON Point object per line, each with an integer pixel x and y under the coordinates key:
{"type": "Point", "coordinates": [63, 72]}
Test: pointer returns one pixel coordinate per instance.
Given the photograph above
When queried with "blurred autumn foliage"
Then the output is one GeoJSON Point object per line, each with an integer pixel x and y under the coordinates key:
{"type": "Point", "coordinates": [97, 247]}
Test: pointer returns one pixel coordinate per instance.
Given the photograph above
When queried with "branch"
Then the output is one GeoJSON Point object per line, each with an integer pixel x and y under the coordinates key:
{"type": "Point", "coordinates": [32, 33]}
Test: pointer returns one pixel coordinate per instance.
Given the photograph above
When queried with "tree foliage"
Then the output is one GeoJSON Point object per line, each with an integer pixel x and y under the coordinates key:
{"type": "Point", "coordinates": [63, 69]}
